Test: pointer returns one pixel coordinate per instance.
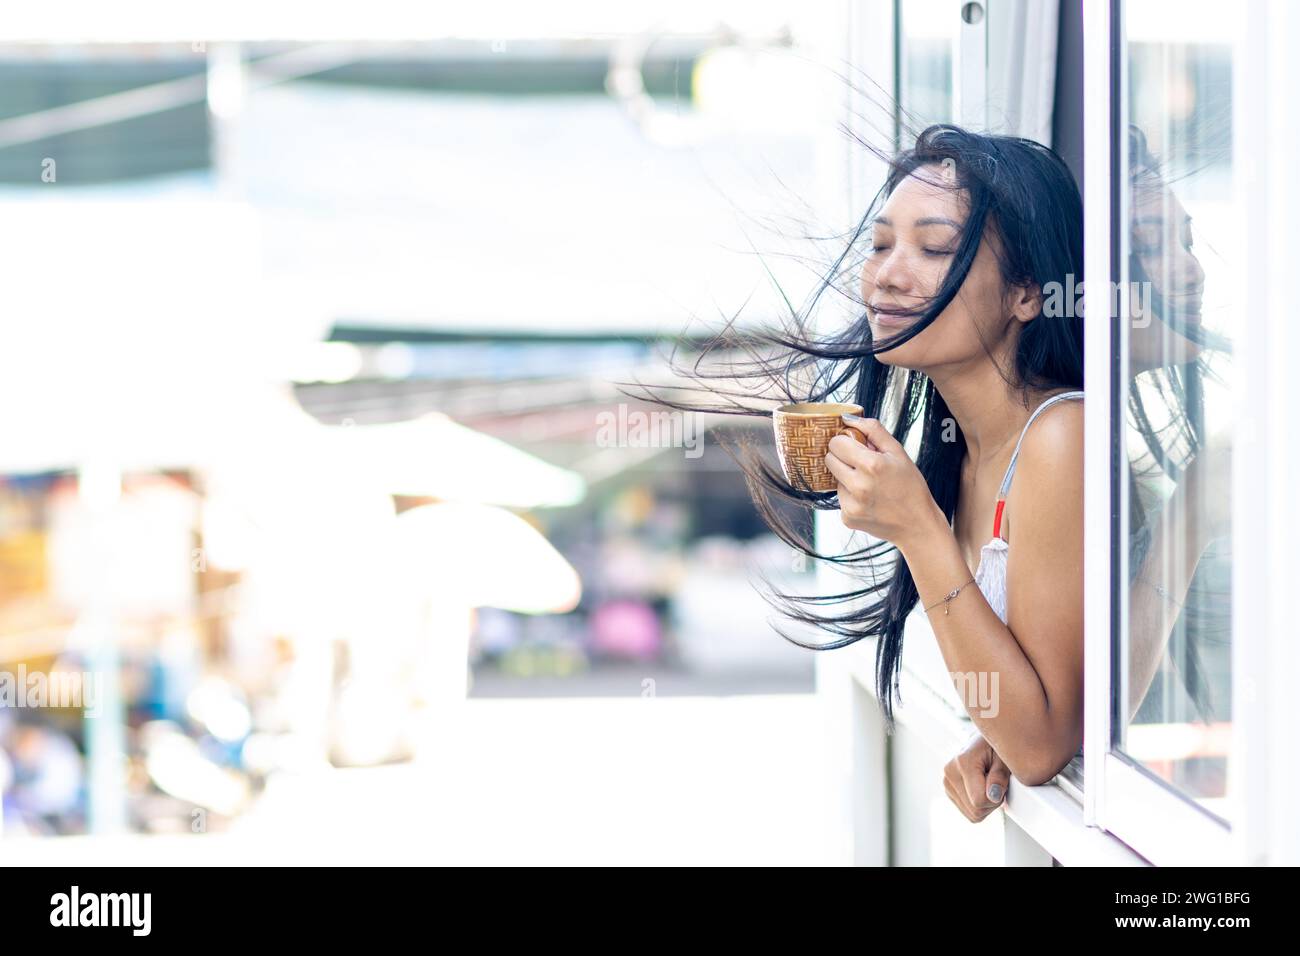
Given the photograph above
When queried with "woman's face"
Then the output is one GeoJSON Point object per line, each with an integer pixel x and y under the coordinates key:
{"type": "Point", "coordinates": [913, 243]}
{"type": "Point", "coordinates": [1161, 239]}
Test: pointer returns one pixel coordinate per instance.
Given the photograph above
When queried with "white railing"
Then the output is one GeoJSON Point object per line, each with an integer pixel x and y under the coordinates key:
{"type": "Point", "coordinates": [1034, 826]}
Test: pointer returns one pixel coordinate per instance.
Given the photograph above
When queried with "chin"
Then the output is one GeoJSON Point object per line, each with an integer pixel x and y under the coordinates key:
{"type": "Point", "coordinates": [896, 356]}
{"type": "Point", "coordinates": [891, 357]}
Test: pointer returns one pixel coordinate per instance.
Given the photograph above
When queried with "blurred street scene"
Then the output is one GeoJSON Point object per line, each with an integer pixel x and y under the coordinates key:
{"type": "Point", "coordinates": [321, 511]}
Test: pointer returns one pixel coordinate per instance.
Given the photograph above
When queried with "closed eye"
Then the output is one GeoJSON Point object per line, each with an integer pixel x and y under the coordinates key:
{"type": "Point", "coordinates": [928, 252]}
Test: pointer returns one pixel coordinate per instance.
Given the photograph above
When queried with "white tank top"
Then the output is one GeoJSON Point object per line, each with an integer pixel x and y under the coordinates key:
{"type": "Point", "coordinates": [991, 575]}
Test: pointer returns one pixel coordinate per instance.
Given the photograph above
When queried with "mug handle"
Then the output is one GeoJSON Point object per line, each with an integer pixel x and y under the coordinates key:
{"type": "Point", "coordinates": [853, 433]}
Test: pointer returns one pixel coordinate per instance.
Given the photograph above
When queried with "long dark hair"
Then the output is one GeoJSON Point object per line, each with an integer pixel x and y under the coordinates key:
{"type": "Point", "coordinates": [1166, 409]}
{"type": "Point", "coordinates": [1016, 188]}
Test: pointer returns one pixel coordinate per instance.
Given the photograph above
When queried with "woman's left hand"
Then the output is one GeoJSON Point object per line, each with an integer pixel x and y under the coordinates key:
{"type": "Point", "coordinates": [881, 490]}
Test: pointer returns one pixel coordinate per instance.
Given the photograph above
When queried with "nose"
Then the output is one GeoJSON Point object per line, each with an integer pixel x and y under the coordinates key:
{"type": "Point", "coordinates": [1184, 274]}
{"type": "Point", "coordinates": [893, 274]}
{"type": "Point", "coordinates": [1193, 274]}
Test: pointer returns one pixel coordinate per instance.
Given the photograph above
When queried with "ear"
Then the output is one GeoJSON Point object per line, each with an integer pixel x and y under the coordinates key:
{"type": "Point", "coordinates": [1026, 302]}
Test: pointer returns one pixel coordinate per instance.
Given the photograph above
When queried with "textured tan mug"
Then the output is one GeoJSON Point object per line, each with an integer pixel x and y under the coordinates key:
{"type": "Point", "coordinates": [803, 432]}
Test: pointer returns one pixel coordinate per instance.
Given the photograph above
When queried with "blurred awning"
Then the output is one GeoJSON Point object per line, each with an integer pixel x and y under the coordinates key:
{"type": "Point", "coordinates": [486, 557]}
{"type": "Point", "coordinates": [149, 341]}
{"type": "Point", "coordinates": [433, 456]}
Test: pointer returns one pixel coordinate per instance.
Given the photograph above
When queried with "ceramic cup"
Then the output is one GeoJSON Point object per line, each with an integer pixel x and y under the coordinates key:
{"type": "Point", "coordinates": [803, 432]}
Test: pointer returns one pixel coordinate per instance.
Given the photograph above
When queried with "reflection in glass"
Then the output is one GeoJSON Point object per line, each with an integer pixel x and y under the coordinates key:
{"type": "Point", "coordinates": [1176, 720]}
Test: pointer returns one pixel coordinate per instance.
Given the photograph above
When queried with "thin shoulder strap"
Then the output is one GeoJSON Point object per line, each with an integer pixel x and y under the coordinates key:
{"type": "Point", "coordinates": [1015, 455]}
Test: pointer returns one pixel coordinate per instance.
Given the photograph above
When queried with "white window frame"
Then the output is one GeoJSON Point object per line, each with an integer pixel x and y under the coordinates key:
{"type": "Point", "coordinates": [1162, 825]}
{"type": "Point", "coordinates": [1266, 517]}
{"type": "Point", "coordinates": [1168, 828]}
{"type": "Point", "coordinates": [970, 67]}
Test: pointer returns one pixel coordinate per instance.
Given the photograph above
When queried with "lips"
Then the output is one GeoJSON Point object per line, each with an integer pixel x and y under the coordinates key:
{"type": "Point", "coordinates": [894, 315]}
{"type": "Point", "coordinates": [1183, 309]}
{"type": "Point", "coordinates": [885, 307]}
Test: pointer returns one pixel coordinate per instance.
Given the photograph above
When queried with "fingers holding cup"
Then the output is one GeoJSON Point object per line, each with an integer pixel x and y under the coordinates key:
{"type": "Point", "coordinates": [841, 462]}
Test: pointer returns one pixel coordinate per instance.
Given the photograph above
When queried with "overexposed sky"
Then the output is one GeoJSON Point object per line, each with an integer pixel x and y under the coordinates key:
{"type": "Point", "coordinates": [168, 21]}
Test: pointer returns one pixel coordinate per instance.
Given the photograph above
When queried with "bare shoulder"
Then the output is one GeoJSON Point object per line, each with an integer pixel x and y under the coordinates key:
{"type": "Point", "coordinates": [1055, 434]}
{"type": "Point", "coordinates": [1047, 488]}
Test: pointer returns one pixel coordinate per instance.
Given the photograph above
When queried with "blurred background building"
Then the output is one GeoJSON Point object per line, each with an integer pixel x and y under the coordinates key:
{"type": "Point", "coordinates": [312, 344]}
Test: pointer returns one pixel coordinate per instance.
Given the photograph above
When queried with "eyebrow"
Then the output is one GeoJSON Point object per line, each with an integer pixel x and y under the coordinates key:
{"type": "Point", "coordinates": [923, 221]}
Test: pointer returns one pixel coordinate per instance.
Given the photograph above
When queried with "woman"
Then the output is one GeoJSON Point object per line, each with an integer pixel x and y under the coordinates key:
{"type": "Point", "coordinates": [1170, 355]}
{"type": "Point", "coordinates": [1006, 376]}
{"type": "Point", "coordinates": [961, 327]}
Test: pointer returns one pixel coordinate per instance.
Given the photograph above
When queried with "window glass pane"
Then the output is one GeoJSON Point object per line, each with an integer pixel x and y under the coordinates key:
{"type": "Point", "coordinates": [1178, 245]}
{"type": "Point", "coordinates": [926, 32]}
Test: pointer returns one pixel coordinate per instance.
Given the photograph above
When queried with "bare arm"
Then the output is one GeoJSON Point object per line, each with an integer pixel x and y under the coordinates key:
{"type": "Point", "coordinates": [1036, 658]}
{"type": "Point", "coordinates": [1159, 590]}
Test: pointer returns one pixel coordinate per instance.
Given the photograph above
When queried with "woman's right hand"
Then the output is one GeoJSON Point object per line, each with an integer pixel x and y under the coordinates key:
{"type": "Point", "coordinates": [976, 779]}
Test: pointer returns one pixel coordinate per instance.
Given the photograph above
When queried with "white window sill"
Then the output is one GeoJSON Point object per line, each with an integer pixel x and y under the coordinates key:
{"type": "Point", "coordinates": [1051, 814]}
